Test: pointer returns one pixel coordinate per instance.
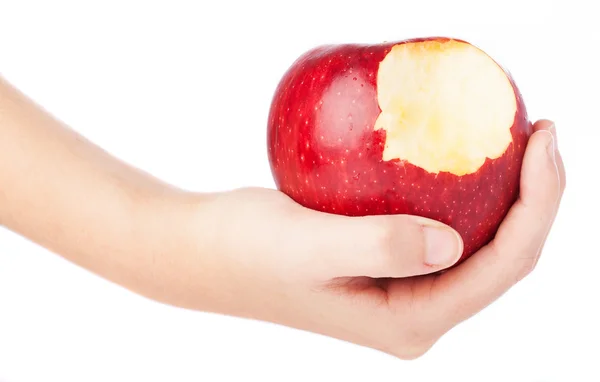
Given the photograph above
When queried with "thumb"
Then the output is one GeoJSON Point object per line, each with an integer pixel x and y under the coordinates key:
{"type": "Point", "coordinates": [377, 246]}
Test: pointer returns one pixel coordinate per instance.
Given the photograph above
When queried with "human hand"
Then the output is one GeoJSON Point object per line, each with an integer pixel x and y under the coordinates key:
{"type": "Point", "coordinates": [254, 252]}
{"type": "Point", "coordinates": [350, 277]}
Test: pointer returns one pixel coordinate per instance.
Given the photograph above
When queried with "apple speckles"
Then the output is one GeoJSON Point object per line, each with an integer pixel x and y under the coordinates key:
{"type": "Point", "coordinates": [326, 114]}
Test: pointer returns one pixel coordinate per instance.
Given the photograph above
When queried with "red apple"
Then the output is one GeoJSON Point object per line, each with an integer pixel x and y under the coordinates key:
{"type": "Point", "coordinates": [432, 127]}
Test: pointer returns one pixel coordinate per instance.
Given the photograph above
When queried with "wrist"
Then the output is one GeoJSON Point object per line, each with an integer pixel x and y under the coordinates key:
{"type": "Point", "coordinates": [175, 235]}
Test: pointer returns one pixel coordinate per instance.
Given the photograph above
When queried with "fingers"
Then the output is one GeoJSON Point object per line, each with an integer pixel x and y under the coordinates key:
{"type": "Point", "coordinates": [465, 290]}
{"type": "Point", "coordinates": [549, 126]}
{"type": "Point", "coordinates": [375, 246]}
{"type": "Point", "coordinates": [545, 124]}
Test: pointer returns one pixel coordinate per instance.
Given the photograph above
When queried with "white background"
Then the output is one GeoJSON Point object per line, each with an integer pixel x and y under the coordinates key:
{"type": "Point", "coordinates": [182, 89]}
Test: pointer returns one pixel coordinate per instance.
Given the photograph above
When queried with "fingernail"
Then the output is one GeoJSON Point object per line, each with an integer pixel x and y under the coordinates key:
{"type": "Point", "coordinates": [442, 246]}
{"type": "Point", "coordinates": [550, 146]}
{"type": "Point", "coordinates": [552, 129]}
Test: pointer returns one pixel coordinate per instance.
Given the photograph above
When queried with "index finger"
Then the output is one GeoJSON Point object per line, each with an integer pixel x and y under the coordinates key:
{"type": "Point", "coordinates": [465, 290]}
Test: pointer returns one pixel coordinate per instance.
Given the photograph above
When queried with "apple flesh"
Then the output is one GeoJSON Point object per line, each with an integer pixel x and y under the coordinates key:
{"type": "Point", "coordinates": [431, 127]}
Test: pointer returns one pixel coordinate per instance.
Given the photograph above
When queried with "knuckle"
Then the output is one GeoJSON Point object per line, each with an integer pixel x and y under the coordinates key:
{"type": "Point", "coordinates": [384, 245]}
{"type": "Point", "coordinates": [527, 268]}
{"type": "Point", "coordinates": [395, 235]}
{"type": "Point", "coordinates": [414, 340]}
{"type": "Point", "coordinates": [413, 352]}
{"type": "Point", "coordinates": [520, 267]}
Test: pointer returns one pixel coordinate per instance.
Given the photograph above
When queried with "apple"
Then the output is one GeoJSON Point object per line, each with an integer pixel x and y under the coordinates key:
{"type": "Point", "coordinates": [432, 127]}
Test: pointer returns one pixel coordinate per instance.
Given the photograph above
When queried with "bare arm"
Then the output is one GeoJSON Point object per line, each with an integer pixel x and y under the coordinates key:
{"type": "Point", "coordinates": [256, 253]}
{"type": "Point", "coordinates": [68, 195]}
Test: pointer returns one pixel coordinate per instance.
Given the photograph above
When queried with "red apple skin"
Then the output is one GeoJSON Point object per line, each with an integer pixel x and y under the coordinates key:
{"type": "Point", "coordinates": [325, 154]}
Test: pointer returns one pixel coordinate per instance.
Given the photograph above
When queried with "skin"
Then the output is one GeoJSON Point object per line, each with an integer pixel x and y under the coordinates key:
{"type": "Point", "coordinates": [255, 253]}
{"type": "Point", "coordinates": [322, 139]}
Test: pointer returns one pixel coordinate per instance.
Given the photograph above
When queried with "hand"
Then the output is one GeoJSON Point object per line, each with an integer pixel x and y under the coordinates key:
{"type": "Point", "coordinates": [348, 278]}
{"type": "Point", "coordinates": [254, 252]}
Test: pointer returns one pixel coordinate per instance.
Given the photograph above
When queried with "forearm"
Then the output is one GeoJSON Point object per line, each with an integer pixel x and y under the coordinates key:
{"type": "Point", "coordinates": [66, 194]}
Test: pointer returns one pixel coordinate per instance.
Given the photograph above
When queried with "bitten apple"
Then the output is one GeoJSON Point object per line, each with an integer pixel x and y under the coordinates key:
{"type": "Point", "coordinates": [432, 127]}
